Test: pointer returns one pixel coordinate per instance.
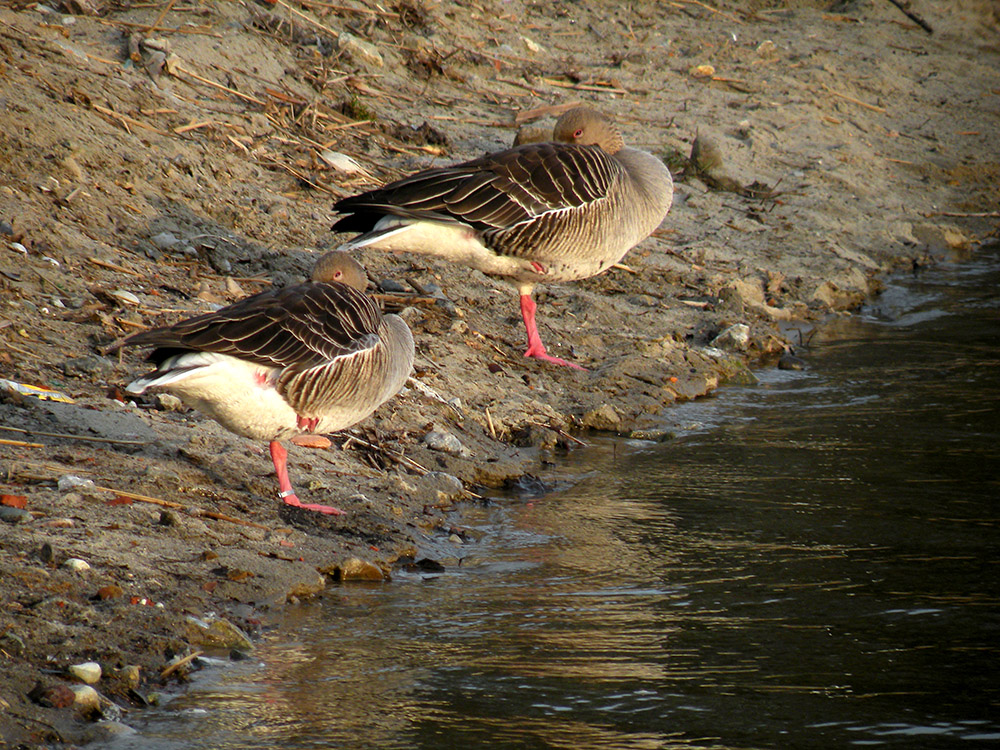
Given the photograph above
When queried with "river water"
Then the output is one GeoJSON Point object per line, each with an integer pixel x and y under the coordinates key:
{"type": "Point", "coordinates": [811, 563]}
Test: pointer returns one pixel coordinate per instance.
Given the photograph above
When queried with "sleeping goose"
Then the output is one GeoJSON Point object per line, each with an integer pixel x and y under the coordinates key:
{"type": "Point", "coordinates": [311, 358]}
{"type": "Point", "coordinates": [556, 211]}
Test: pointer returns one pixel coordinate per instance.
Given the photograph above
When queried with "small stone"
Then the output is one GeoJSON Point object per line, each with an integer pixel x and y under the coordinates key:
{"type": "Point", "coordinates": [76, 564]}
{"type": "Point", "coordinates": [456, 539]}
{"type": "Point", "coordinates": [57, 696]}
{"type": "Point", "coordinates": [12, 643]}
{"type": "Point", "coordinates": [6, 228]}
{"type": "Point", "coordinates": [702, 71]}
{"type": "Point", "coordinates": [164, 240]}
{"type": "Point", "coordinates": [356, 569]}
{"type": "Point", "coordinates": [14, 515]}
{"type": "Point", "coordinates": [362, 51]}
{"type": "Point", "coordinates": [767, 50]}
{"type": "Point", "coordinates": [104, 732]}
{"type": "Point", "coordinates": [89, 366]}
{"type": "Point", "coordinates": [604, 417]}
{"type": "Point", "coordinates": [85, 698]}
{"type": "Point", "coordinates": [655, 435]}
{"type": "Point", "coordinates": [88, 672]}
{"type": "Point", "coordinates": [111, 591]}
{"type": "Point", "coordinates": [129, 675]}
{"type": "Point", "coordinates": [439, 487]}
{"type": "Point", "coordinates": [167, 518]}
{"type": "Point", "coordinates": [391, 286]}
{"type": "Point", "coordinates": [233, 288]}
{"type": "Point", "coordinates": [60, 523]}
{"type": "Point", "coordinates": [734, 338]}
{"type": "Point", "coordinates": [216, 632]}
{"type": "Point", "coordinates": [71, 481]}
{"type": "Point", "coordinates": [791, 362]}
{"type": "Point", "coordinates": [445, 442]}
{"type": "Point", "coordinates": [169, 402]}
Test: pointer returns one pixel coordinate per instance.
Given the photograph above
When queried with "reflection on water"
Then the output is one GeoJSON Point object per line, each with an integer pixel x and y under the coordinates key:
{"type": "Point", "coordinates": [812, 563]}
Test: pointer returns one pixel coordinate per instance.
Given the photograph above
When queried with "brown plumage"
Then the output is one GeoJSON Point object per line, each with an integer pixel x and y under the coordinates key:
{"type": "Point", "coordinates": [556, 211]}
{"type": "Point", "coordinates": [311, 358]}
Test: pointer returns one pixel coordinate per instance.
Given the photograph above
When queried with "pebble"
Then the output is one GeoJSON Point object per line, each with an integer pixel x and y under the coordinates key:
{"type": "Point", "coordinates": [169, 402]}
{"type": "Point", "coordinates": [391, 286]}
{"type": "Point", "coordinates": [129, 675]}
{"type": "Point", "coordinates": [56, 696]}
{"type": "Point", "coordinates": [14, 515]}
{"type": "Point", "coordinates": [104, 732]}
{"type": "Point", "coordinates": [456, 539]}
{"type": "Point", "coordinates": [438, 486]}
{"type": "Point", "coordinates": [604, 417]}
{"type": "Point", "coordinates": [72, 481]}
{"type": "Point", "coordinates": [445, 442]}
{"type": "Point", "coordinates": [88, 671]}
{"type": "Point", "coordinates": [164, 240]}
{"type": "Point", "coordinates": [791, 362]}
{"type": "Point", "coordinates": [6, 228]}
{"type": "Point", "coordinates": [734, 338]}
{"type": "Point", "coordinates": [60, 523]}
{"type": "Point", "coordinates": [12, 643]}
{"type": "Point", "coordinates": [75, 563]}
{"type": "Point", "coordinates": [111, 591]}
{"type": "Point", "coordinates": [90, 365]}
{"type": "Point", "coordinates": [86, 698]}
{"type": "Point", "coordinates": [655, 435]}
{"type": "Point", "coordinates": [359, 49]}
{"type": "Point", "coordinates": [356, 569]}
{"type": "Point", "coordinates": [216, 631]}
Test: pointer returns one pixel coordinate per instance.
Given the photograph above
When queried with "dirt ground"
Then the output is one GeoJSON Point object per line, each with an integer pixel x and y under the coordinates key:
{"type": "Point", "coordinates": [159, 159]}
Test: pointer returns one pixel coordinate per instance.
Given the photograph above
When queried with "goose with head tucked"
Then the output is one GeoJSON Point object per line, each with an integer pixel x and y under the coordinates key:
{"type": "Point", "coordinates": [311, 358]}
{"type": "Point", "coordinates": [541, 212]}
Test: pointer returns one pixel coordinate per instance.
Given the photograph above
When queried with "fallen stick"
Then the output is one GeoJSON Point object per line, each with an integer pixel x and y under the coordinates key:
{"type": "Point", "coordinates": [964, 215]}
{"type": "Point", "coordinates": [866, 105]}
{"type": "Point", "coordinates": [180, 506]}
{"type": "Point", "coordinates": [556, 430]}
{"type": "Point", "coordinates": [75, 437]}
{"type": "Point", "coordinates": [166, 9]}
{"type": "Point", "coordinates": [21, 443]}
{"type": "Point", "coordinates": [126, 120]}
{"type": "Point", "coordinates": [398, 457]}
{"type": "Point", "coordinates": [912, 16]}
{"type": "Point", "coordinates": [584, 86]}
{"type": "Point", "coordinates": [175, 69]}
{"type": "Point", "coordinates": [179, 663]}
{"type": "Point", "coordinates": [710, 8]}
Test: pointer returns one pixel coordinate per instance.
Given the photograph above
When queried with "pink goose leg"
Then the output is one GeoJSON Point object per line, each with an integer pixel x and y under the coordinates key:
{"type": "Point", "coordinates": [280, 457]}
{"type": "Point", "coordinates": [536, 348]}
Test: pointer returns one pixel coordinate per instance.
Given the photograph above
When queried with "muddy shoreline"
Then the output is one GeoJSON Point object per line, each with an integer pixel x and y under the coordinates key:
{"type": "Point", "coordinates": [147, 175]}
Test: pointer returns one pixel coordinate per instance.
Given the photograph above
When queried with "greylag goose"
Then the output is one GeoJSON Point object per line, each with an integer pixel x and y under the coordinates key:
{"type": "Point", "coordinates": [311, 358]}
{"type": "Point", "coordinates": [556, 211]}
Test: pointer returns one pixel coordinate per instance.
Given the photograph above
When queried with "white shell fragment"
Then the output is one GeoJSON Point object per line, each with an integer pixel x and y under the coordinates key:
{"type": "Point", "coordinates": [343, 163]}
{"type": "Point", "coordinates": [123, 296]}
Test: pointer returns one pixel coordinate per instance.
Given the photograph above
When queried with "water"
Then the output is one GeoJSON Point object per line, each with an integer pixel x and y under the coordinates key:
{"type": "Point", "coordinates": [813, 563]}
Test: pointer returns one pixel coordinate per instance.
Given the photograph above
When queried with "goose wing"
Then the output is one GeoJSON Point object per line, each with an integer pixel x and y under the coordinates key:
{"type": "Point", "coordinates": [495, 192]}
{"type": "Point", "coordinates": [298, 327]}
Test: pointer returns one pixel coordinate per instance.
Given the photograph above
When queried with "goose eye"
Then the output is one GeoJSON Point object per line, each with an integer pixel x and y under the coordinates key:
{"type": "Point", "coordinates": [578, 133]}
{"type": "Point", "coordinates": [338, 274]}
